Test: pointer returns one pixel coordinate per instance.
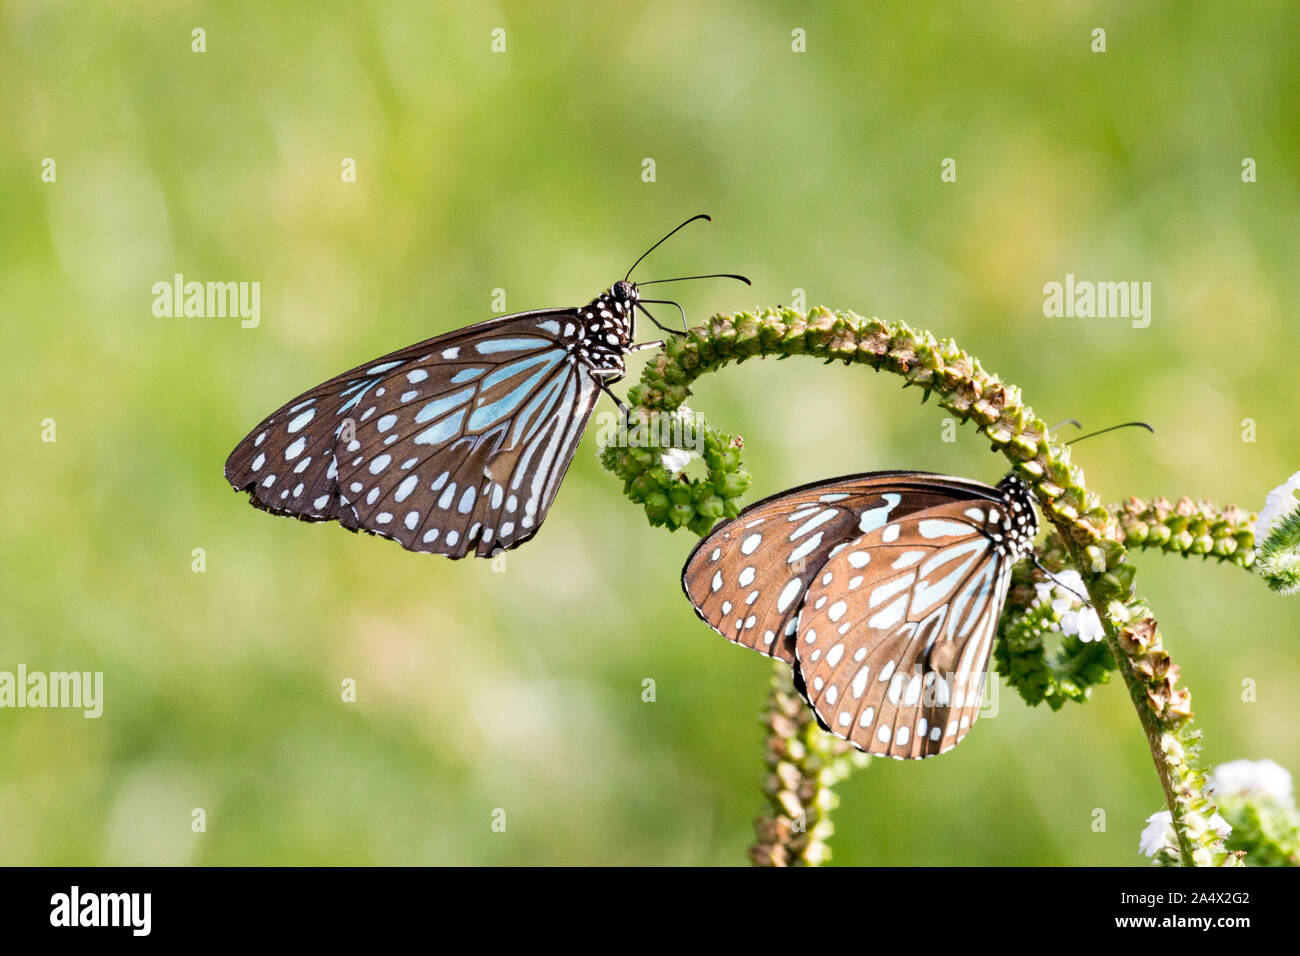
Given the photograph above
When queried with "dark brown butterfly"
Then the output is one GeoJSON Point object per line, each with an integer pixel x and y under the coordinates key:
{"type": "Point", "coordinates": [882, 591]}
{"type": "Point", "coordinates": [455, 445]}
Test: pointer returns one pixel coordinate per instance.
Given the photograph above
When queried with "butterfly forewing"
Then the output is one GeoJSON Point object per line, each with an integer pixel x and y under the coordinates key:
{"type": "Point", "coordinates": [894, 636]}
{"type": "Point", "coordinates": [747, 580]}
{"type": "Point", "coordinates": [455, 445]}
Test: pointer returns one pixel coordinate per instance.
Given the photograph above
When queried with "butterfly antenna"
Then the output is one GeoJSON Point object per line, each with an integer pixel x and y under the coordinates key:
{"type": "Point", "coordinates": [665, 239]}
{"type": "Point", "coordinates": [1064, 422]}
{"type": "Point", "coordinates": [1111, 429]}
{"type": "Point", "coordinates": [713, 275]}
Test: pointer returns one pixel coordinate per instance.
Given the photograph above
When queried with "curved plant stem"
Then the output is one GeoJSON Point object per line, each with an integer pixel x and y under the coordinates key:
{"type": "Point", "coordinates": [1092, 537]}
{"type": "Point", "coordinates": [804, 763]}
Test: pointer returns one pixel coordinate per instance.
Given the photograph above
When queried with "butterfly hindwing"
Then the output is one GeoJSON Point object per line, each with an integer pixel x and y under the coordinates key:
{"type": "Point", "coordinates": [455, 445]}
{"type": "Point", "coordinates": [895, 634]}
{"type": "Point", "coordinates": [748, 578]}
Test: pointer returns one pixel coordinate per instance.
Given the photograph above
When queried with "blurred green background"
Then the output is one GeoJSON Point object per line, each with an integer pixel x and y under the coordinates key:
{"type": "Point", "coordinates": [522, 171]}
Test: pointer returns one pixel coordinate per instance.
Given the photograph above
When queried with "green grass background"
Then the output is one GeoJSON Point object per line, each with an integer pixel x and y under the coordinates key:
{"type": "Point", "coordinates": [521, 690]}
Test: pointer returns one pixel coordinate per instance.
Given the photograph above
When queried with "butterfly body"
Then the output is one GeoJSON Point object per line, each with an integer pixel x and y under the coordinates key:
{"type": "Point", "coordinates": [608, 329]}
{"type": "Point", "coordinates": [455, 445]}
{"type": "Point", "coordinates": [882, 591]}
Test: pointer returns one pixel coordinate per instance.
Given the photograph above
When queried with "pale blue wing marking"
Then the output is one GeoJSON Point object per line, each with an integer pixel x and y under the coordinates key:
{"type": "Point", "coordinates": [510, 345]}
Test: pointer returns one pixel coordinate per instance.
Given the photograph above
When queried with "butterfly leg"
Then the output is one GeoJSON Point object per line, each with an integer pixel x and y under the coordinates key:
{"type": "Point", "coordinates": [1057, 581]}
{"type": "Point", "coordinates": [604, 387]}
{"type": "Point", "coordinates": [645, 345]}
{"type": "Point", "coordinates": [658, 324]}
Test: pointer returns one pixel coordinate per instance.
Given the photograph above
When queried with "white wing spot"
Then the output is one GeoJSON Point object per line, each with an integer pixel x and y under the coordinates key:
{"type": "Point", "coordinates": [405, 488]}
{"type": "Point", "coordinates": [788, 594]}
{"type": "Point", "coordinates": [939, 528]}
{"type": "Point", "coordinates": [301, 421]}
{"type": "Point", "coordinates": [805, 549]}
{"type": "Point", "coordinates": [875, 517]}
{"type": "Point", "coordinates": [891, 615]}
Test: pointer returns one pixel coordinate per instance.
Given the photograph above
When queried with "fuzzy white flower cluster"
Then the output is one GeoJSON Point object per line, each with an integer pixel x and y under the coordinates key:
{"type": "Point", "coordinates": [1281, 501]}
{"type": "Point", "coordinates": [1252, 778]}
{"type": "Point", "coordinates": [1076, 618]}
{"type": "Point", "coordinates": [1159, 832]}
{"type": "Point", "coordinates": [675, 460]}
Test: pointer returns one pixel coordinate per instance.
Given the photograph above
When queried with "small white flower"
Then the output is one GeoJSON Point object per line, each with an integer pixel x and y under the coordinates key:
{"type": "Point", "coordinates": [676, 459]}
{"type": "Point", "coordinates": [1044, 591]}
{"type": "Point", "coordinates": [1252, 778]}
{"type": "Point", "coordinates": [1220, 826]}
{"type": "Point", "coordinates": [1158, 834]}
{"type": "Point", "coordinates": [1281, 501]}
{"type": "Point", "coordinates": [1076, 618]}
{"type": "Point", "coordinates": [1070, 581]}
{"type": "Point", "coordinates": [1085, 622]}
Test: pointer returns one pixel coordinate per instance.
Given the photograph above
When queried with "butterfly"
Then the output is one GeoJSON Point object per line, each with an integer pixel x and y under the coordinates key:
{"type": "Point", "coordinates": [455, 445]}
{"type": "Point", "coordinates": [882, 591]}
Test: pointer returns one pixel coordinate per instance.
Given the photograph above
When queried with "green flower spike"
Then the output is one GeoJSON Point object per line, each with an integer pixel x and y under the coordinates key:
{"type": "Point", "coordinates": [1278, 530]}
{"type": "Point", "coordinates": [804, 763]}
{"type": "Point", "coordinates": [651, 455]}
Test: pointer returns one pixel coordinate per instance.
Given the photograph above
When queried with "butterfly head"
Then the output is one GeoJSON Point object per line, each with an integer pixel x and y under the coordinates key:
{"type": "Point", "coordinates": [1020, 522]}
{"type": "Point", "coordinates": [612, 309]}
{"type": "Point", "coordinates": [624, 294]}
